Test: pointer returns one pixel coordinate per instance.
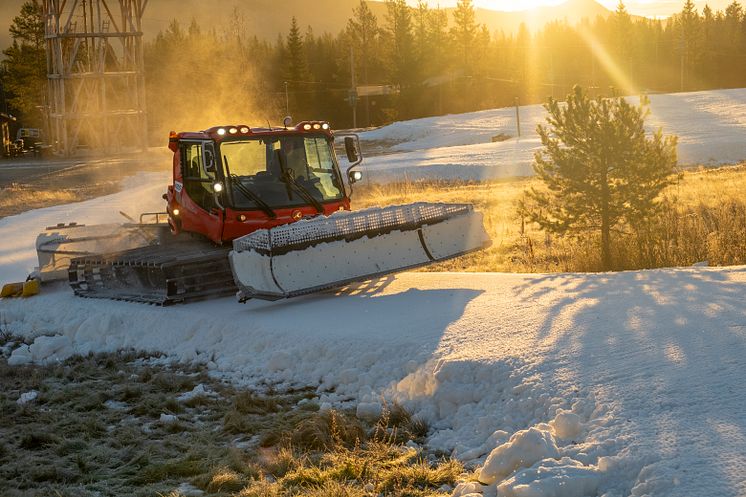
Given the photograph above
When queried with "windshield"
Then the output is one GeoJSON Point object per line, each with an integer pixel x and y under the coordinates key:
{"type": "Point", "coordinates": [258, 164]}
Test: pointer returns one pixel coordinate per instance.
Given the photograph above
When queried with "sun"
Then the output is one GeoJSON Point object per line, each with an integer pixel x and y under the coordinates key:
{"type": "Point", "coordinates": [513, 5]}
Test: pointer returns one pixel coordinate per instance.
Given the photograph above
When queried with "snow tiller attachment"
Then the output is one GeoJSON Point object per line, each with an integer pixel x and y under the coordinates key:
{"type": "Point", "coordinates": [327, 252]}
{"type": "Point", "coordinates": [60, 244]}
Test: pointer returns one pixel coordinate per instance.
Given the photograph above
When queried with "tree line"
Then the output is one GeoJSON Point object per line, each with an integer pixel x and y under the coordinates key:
{"type": "Point", "coordinates": [432, 62]}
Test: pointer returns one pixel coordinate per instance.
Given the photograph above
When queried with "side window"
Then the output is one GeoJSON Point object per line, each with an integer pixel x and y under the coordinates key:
{"type": "Point", "coordinates": [193, 161]}
{"type": "Point", "coordinates": [197, 181]}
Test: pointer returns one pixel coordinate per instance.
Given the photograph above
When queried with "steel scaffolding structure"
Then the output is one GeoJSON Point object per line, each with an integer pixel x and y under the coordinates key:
{"type": "Point", "coordinates": [95, 75]}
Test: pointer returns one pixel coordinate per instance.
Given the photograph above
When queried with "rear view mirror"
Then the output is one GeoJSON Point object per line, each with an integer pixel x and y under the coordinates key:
{"type": "Point", "coordinates": [209, 159]}
{"type": "Point", "coordinates": [350, 149]}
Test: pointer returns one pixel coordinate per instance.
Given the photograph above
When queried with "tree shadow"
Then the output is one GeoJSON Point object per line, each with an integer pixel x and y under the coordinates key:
{"type": "Point", "coordinates": [664, 348]}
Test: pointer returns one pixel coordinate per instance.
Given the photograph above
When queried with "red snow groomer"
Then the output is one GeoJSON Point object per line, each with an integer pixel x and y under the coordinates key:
{"type": "Point", "coordinates": [280, 197]}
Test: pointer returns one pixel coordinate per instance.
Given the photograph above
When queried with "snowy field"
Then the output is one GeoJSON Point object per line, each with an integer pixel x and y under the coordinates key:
{"type": "Point", "coordinates": [562, 385]}
{"type": "Point", "coordinates": [711, 126]}
{"type": "Point", "coordinates": [558, 385]}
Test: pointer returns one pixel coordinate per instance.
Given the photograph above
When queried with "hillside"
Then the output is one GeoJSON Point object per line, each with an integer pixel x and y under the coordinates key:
{"type": "Point", "coordinates": [263, 18]}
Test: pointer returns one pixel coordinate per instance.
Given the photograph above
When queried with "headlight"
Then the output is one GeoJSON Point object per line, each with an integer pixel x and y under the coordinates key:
{"type": "Point", "coordinates": [221, 131]}
{"type": "Point", "coordinates": [217, 187]}
{"type": "Point", "coordinates": [175, 212]}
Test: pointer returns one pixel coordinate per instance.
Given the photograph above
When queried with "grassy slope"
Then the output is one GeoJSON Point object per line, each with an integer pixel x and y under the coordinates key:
{"type": "Point", "coordinates": [534, 251]}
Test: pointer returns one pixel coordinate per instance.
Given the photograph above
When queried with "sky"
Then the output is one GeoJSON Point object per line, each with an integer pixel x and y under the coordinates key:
{"type": "Point", "coordinates": [650, 8]}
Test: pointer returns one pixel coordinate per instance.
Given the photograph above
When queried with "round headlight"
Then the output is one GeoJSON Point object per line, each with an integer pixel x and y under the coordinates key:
{"type": "Point", "coordinates": [317, 126]}
{"type": "Point", "coordinates": [217, 187]}
{"type": "Point", "coordinates": [325, 126]}
{"type": "Point", "coordinates": [175, 212]}
{"type": "Point", "coordinates": [221, 131]}
{"type": "Point", "coordinates": [242, 217]}
{"type": "Point", "coordinates": [306, 127]}
{"type": "Point", "coordinates": [245, 130]}
{"type": "Point", "coordinates": [233, 131]}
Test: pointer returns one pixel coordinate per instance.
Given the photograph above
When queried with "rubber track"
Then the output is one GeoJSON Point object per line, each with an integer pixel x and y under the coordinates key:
{"type": "Point", "coordinates": [158, 274]}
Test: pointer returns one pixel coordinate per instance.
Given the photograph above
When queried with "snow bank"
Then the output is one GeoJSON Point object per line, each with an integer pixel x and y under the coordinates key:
{"type": "Point", "coordinates": [710, 126]}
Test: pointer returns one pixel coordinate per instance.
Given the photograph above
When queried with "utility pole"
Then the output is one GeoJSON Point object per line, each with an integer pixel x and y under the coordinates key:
{"type": "Point", "coordinates": [681, 47]}
{"type": "Point", "coordinates": [517, 117]}
{"type": "Point", "coordinates": [353, 89]}
{"type": "Point", "coordinates": [287, 100]}
{"type": "Point", "coordinates": [594, 51]}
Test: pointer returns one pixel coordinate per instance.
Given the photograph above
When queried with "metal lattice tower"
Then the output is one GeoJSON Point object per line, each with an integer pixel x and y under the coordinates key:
{"type": "Point", "coordinates": [95, 75]}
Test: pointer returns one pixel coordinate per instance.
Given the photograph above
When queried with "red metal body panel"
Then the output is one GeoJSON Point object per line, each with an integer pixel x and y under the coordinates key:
{"type": "Point", "coordinates": [225, 225]}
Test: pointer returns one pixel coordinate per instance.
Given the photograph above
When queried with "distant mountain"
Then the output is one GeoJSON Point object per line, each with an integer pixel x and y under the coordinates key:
{"type": "Point", "coordinates": [268, 18]}
{"type": "Point", "coordinates": [572, 11]}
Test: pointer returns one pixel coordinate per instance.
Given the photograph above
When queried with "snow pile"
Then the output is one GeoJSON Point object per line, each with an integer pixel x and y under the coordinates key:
{"type": "Point", "coordinates": [552, 478]}
{"type": "Point", "coordinates": [44, 349]}
{"type": "Point", "coordinates": [710, 126]}
{"type": "Point", "coordinates": [197, 392]}
{"type": "Point", "coordinates": [168, 419]}
{"type": "Point", "coordinates": [524, 448]}
{"type": "Point", "coordinates": [27, 397]}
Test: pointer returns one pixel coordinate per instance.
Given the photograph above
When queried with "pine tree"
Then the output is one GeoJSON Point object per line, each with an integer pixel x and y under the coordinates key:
{"type": "Point", "coordinates": [599, 168]}
{"type": "Point", "coordinates": [296, 68]}
{"type": "Point", "coordinates": [437, 41]}
{"type": "Point", "coordinates": [689, 29]}
{"type": "Point", "coordinates": [400, 42]}
{"type": "Point", "coordinates": [464, 32]}
{"type": "Point", "coordinates": [25, 67]}
{"type": "Point", "coordinates": [363, 31]}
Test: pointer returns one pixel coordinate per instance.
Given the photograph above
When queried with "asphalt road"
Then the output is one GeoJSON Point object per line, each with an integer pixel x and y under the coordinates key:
{"type": "Point", "coordinates": [26, 169]}
{"type": "Point", "coordinates": [59, 172]}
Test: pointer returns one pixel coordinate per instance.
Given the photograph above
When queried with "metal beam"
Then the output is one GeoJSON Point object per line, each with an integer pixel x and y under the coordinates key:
{"type": "Point", "coordinates": [96, 88]}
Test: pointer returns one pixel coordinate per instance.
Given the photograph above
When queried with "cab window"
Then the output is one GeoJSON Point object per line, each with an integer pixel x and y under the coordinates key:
{"type": "Point", "coordinates": [197, 181]}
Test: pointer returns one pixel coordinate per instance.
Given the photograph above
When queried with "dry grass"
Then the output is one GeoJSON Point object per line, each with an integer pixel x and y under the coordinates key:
{"type": "Point", "coordinates": [15, 199]}
{"type": "Point", "coordinates": [94, 430]}
{"type": "Point", "coordinates": [705, 221]}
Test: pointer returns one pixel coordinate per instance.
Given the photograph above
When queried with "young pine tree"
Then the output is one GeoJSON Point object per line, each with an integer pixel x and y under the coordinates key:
{"type": "Point", "coordinates": [601, 170]}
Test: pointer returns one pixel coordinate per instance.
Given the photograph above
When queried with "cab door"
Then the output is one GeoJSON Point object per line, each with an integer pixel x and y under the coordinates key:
{"type": "Point", "coordinates": [204, 212]}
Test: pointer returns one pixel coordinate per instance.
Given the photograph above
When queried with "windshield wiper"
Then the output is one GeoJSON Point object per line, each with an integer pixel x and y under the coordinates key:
{"type": "Point", "coordinates": [264, 206]}
{"type": "Point", "coordinates": [288, 178]}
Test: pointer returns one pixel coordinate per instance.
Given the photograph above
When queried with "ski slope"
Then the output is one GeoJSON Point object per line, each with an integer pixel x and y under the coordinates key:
{"type": "Point", "coordinates": [711, 126]}
{"type": "Point", "coordinates": [554, 385]}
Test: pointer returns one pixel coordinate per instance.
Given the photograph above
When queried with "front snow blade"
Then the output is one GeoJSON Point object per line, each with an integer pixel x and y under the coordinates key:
{"type": "Point", "coordinates": [327, 252]}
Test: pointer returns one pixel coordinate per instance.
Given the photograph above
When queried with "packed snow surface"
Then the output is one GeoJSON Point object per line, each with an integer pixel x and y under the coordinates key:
{"type": "Point", "coordinates": [711, 126]}
{"type": "Point", "coordinates": [553, 385]}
